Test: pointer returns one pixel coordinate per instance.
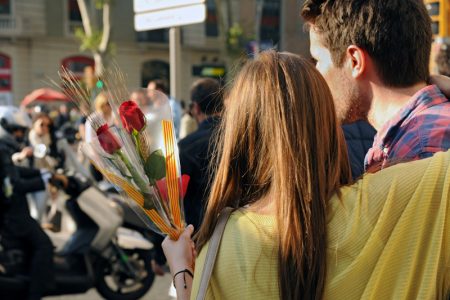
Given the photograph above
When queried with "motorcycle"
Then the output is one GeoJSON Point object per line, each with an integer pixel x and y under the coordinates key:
{"type": "Point", "coordinates": [99, 254]}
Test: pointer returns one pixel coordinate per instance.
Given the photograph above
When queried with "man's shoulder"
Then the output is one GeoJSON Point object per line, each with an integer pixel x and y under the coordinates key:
{"type": "Point", "coordinates": [442, 109]}
{"type": "Point", "coordinates": [428, 131]}
{"type": "Point", "coordinates": [433, 118]}
{"type": "Point", "coordinates": [200, 136]}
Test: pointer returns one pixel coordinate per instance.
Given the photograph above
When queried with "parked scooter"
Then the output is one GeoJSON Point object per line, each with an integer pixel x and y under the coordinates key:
{"type": "Point", "coordinates": [96, 255]}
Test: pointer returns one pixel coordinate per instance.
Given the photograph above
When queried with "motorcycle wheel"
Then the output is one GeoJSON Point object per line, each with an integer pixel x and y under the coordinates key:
{"type": "Point", "coordinates": [113, 283]}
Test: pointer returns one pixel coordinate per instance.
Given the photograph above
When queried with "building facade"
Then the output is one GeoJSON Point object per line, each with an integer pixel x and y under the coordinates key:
{"type": "Point", "coordinates": [37, 37]}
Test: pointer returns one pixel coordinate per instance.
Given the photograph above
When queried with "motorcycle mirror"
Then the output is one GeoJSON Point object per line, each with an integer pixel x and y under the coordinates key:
{"type": "Point", "coordinates": [39, 151]}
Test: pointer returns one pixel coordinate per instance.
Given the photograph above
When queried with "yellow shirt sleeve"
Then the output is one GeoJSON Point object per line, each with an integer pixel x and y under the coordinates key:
{"type": "Point", "coordinates": [389, 234]}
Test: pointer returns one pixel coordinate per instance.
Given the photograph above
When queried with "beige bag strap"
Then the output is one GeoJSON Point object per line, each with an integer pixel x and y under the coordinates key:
{"type": "Point", "coordinates": [211, 255]}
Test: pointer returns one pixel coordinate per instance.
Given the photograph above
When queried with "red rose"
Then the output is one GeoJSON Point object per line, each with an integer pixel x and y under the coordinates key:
{"type": "Point", "coordinates": [107, 139]}
{"type": "Point", "coordinates": [162, 186]}
{"type": "Point", "coordinates": [132, 116]}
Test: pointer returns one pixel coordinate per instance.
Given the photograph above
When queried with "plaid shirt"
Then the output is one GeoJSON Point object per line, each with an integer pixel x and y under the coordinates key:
{"type": "Point", "coordinates": [417, 131]}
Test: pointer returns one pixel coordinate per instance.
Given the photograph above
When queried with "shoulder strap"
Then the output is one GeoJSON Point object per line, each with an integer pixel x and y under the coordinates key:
{"type": "Point", "coordinates": [211, 255]}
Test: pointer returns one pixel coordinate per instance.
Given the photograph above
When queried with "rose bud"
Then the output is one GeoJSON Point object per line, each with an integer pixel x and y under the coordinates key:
{"type": "Point", "coordinates": [108, 141]}
{"type": "Point", "coordinates": [162, 186]}
{"type": "Point", "coordinates": [131, 116]}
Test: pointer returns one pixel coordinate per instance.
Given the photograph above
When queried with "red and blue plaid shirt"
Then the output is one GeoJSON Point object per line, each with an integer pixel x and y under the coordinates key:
{"type": "Point", "coordinates": [417, 131]}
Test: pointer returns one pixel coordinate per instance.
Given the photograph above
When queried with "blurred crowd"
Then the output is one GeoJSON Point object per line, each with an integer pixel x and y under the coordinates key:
{"type": "Point", "coordinates": [46, 137]}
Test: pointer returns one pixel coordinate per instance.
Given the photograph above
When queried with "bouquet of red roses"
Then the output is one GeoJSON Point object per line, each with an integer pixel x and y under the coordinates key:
{"type": "Point", "coordinates": [138, 154]}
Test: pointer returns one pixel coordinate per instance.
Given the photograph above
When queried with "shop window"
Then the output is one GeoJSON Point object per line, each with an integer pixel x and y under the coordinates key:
{"type": "Point", "coordinates": [5, 73]}
{"type": "Point", "coordinates": [154, 69]}
{"type": "Point", "coordinates": [77, 64]}
{"type": "Point", "coordinates": [73, 15]}
{"type": "Point", "coordinates": [270, 22]}
{"type": "Point", "coordinates": [153, 36]}
{"type": "Point", "coordinates": [211, 25]}
{"type": "Point", "coordinates": [5, 7]}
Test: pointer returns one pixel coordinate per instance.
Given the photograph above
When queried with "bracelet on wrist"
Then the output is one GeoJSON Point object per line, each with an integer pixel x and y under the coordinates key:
{"type": "Point", "coordinates": [184, 276]}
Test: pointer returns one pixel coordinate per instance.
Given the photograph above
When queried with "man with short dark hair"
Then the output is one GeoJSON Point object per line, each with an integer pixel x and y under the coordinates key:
{"type": "Point", "coordinates": [374, 55]}
{"type": "Point", "coordinates": [443, 60]}
{"type": "Point", "coordinates": [196, 149]}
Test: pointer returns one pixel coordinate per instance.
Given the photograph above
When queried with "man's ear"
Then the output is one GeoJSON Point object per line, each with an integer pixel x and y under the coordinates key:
{"type": "Point", "coordinates": [196, 109]}
{"type": "Point", "coordinates": [357, 58]}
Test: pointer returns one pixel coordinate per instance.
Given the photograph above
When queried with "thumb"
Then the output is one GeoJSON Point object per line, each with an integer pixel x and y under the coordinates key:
{"type": "Point", "coordinates": [188, 231]}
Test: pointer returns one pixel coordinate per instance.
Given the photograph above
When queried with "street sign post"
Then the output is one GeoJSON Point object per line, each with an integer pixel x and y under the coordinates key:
{"type": "Point", "coordinates": [157, 14]}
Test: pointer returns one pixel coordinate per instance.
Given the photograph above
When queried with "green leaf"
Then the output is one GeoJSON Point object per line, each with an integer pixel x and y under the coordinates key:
{"type": "Point", "coordinates": [155, 166]}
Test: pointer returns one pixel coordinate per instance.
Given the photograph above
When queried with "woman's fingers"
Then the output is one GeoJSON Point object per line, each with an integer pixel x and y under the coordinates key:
{"type": "Point", "coordinates": [189, 231]}
{"type": "Point", "coordinates": [180, 253]}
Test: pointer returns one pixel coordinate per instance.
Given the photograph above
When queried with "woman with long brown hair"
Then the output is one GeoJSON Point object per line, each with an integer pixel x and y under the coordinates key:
{"type": "Point", "coordinates": [280, 164]}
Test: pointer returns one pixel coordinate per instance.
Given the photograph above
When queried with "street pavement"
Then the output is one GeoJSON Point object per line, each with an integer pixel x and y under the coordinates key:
{"type": "Point", "coordinates": [158, 291]}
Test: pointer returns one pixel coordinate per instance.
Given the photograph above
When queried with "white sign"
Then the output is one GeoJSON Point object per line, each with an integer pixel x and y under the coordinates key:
{"type": "Point", "coordinates": [170, 17]}
{"type": "Point", "coordinates": [151, 5]}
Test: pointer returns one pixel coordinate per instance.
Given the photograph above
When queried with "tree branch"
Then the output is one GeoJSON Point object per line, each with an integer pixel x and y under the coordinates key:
{"type": "Point", "coordinates": [106, 27]}
{"type": "Point", "coordinates": [85, 17]}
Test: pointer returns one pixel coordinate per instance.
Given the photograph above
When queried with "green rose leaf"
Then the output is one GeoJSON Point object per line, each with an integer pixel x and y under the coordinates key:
{"type": "Point", "coordinates": [155, 166]}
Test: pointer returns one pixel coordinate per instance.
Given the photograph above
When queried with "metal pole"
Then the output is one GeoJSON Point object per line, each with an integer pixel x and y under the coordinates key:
{"type": "Point", "coordinates": [258, 17]}
{"type": "Point", "coordinates": [175, 62]}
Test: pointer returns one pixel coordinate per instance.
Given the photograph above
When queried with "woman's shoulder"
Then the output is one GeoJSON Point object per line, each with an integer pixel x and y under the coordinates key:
{"type": "Point", "coordinates": [245, 228]}
{"type": "Point", "coordinates": [247, 222]}
{"type": "Point", "coordinates": [246, 261]}
{"type": "Point", "coordinates": [244, 214]}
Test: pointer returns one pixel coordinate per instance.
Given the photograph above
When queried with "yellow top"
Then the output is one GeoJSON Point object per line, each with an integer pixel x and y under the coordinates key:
{"type": "Point", "coordinates": [388, 238]}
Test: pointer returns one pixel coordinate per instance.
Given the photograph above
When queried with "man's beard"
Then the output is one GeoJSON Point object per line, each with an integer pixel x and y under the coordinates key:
{"type": "Point", "coordinates": [351, 107]}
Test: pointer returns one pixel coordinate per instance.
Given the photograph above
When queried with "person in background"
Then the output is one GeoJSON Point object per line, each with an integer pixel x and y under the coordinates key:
{"type": "Point", "coordinates": [81, 137]}
{"type": "Point", "coordinates": [375, 57]}
{"type": "Point", "coordinates": [196, 149]}
{"type": "Point", "coordinates": [443, 60]}
{"type": "Point", "coordinates": [74, 114]}
{"type": "Point", "coordinates": [160, 85]}
{"type": "Point", "coordinates": [188, 123]}
{"type": "Point", "coordinates": [359, 137]}
{"type": "Point", "coordinates": [296, 232]}
{"type": "Point", "coordinates": [42, 134]}
{"type": "Point", "coordinates": [52, 112]}
{"type": "Point", "coordinates": [103, 108]}
{"type": "Point", "coordinates": [139, 96]}
{"type": "Point", "coordinates": [63, 116]}
{"type": "Point", "coordinates": [16, 181]}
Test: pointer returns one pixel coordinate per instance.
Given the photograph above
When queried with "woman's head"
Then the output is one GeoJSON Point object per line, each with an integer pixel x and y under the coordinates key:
{"type": "Point", "coordinates": [280, 138]}
{"type": "Point", "coordinates": [102, 105]}
{"type": "Point", "coordinates": [42, 124]}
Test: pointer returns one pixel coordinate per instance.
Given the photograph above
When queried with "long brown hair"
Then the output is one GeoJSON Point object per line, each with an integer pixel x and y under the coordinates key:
{"type": "Point", "coordinates": [280, 134]}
